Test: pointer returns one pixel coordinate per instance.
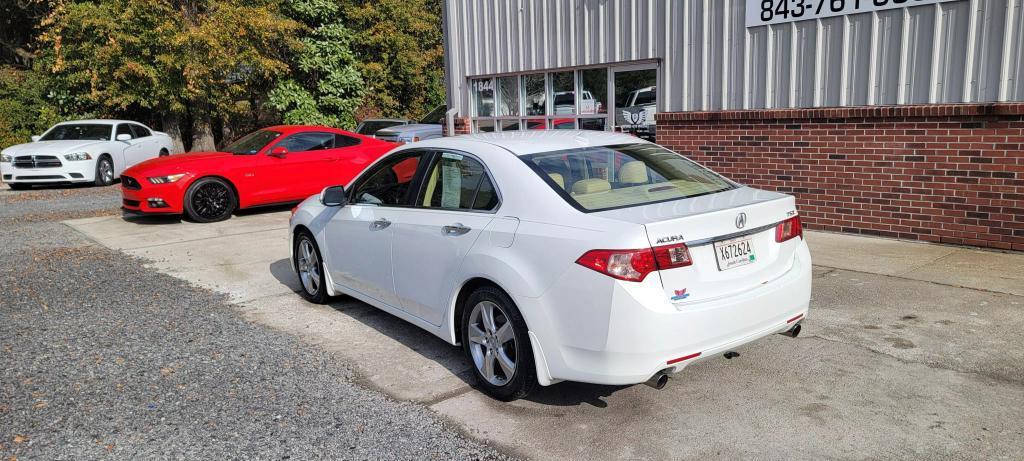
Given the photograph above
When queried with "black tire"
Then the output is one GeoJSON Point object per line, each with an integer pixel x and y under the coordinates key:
{"type": "Point", "coordinates": [210, 200]}
{"type": "Point", "coordinates": [524, 376]}
{"type": "Point", "coordinates": [164, 153]}
{"type": "Point", "coordinates": [19, 186]}
{"type": "Point", "coordinates": [104, 171]}
{"type": "Point", "coordinates": [313, 292]}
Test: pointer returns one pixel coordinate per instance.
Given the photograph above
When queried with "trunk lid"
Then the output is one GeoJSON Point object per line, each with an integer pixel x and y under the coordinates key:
{"type": "Point", "coordinates": [702, 221]}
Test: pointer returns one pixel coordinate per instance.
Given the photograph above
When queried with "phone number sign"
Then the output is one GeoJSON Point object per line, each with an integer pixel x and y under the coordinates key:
{"type": "Point", "coordinates": [761, 12]}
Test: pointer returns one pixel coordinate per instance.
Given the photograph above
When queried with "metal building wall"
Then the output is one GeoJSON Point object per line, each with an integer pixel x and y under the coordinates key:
{"type": "Point", "coordinates": [956, 51]}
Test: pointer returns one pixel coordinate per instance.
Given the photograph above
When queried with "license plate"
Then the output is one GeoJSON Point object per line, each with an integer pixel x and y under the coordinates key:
{"type": "Point", "coordinates": [734, 253]}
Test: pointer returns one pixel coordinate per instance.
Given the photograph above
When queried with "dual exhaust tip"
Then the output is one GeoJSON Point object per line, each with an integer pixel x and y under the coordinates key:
{"type": "Point", "coordinates": [660, 379]}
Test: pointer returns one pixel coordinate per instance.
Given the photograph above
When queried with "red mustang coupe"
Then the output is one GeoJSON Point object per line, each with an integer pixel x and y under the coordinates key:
{"type": "Point", "coordinates": [280, 164]}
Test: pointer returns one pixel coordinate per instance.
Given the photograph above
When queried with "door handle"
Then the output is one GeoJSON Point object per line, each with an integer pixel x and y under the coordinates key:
{"type": "Point", "coordinates": [455, 229]}
{"type": "Point", "coordinates": [380, 224]}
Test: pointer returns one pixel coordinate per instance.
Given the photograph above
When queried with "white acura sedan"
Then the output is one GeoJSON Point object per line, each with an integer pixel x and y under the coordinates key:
{"type": "Point", "coordinates": [83, 151]}
{"type": "Point", "coordinates": [549, 256]}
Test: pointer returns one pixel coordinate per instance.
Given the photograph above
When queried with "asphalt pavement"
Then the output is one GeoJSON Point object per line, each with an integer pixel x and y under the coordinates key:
{"type": "Point", "coordinates": [104, 358]}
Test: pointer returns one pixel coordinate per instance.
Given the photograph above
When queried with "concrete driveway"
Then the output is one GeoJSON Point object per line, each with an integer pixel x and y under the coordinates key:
{"type": "Point", "coordinates": [910, 350]}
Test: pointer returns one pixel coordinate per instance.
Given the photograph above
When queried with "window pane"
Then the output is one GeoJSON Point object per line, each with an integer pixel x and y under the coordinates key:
{"type": "Point", "coordinates": [486, 198]}
{"type": "Point", "coordinates": [563, 93]}
{"type": "Point", "coordinates": [388, 183]}
{"type": "Point", "coordinates": [252, 142]}
{"type": "Point", "coordinates": [596, 124]}
{"type": "Point", "coordinates": [124, 129]}
{"type": "Point", "coordinates": [533, 94]}
{"type": "Point", "coordinates": [484, 126]}
{"type": "Point", "coordinates": [593, 91]}
{"type": "Point", "coordinates": [636, 98]}
{"type": "Point", "coordinates": [141, 131]}
{"type": "Point", "coordinates": [508, 89]}
{"type": "Point", "coordinates": [304, 142]}
{"type": "Point", "coordinates": [83, 131]}
{"type": "Point", "coordinates": [341, 140]}
{"type": "Point", "coordinates": [453, 182]}
{"type": "Point", "coordinates": [483, 95]}
{"type": "Point", "coordinates": [563, 124]}
{"type": "Point", "coordinates": [536, 124]}
{"type": "Point", "coordinates": [598, 178]}
{"type": "Point", "coordinates": [509, 125]}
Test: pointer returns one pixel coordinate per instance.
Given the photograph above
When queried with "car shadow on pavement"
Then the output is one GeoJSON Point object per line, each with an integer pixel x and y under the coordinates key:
{"type": "Point", "coordinates": [159, 219]}
{"type": "Point", "coordinates": [442, 353]}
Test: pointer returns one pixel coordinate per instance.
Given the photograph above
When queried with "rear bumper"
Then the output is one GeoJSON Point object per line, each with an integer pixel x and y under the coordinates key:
{"type": "Point", "coordinates": [69, 172]}
{"type": "Point", "coordinates": [148, 197]}
{"type": "Point", "coordinates": [633, 331]}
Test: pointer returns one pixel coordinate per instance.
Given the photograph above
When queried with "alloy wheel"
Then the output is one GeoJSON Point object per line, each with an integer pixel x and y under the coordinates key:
{"type": "Point", "coordinates": [211, 200]}
{"type": "Point", "coordinates": [309, 266]}
{"type": "Point", "coordinates": [106, 172]}
{"type": "Point", "coordinates": [492, 343]}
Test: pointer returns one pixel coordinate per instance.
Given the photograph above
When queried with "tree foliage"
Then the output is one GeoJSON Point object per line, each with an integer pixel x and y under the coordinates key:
{"type": "Point", "coordinates": [326, 88]}
{"type": "Point", "coordinates": [24, 110]}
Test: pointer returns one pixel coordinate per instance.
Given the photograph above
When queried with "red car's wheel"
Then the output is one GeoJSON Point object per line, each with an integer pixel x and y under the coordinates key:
{"type": "Point", "coordinates": [210, 200]}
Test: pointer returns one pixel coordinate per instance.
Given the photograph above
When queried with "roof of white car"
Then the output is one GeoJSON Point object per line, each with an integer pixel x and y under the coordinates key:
{"type": "Point", "coordinates": [98, 120]}
{"type": "Point", "coordinates": [536, 141]}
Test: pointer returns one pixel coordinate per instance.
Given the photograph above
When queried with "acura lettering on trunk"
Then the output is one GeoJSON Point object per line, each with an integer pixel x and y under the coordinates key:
{"type": "Point", "coordinates": [549, 256]}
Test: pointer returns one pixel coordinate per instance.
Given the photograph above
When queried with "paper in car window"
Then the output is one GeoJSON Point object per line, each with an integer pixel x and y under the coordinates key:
{"type": "Point", "coordinates": [451, 156]}
{"type": "Point", "coordinates": [451, 182]}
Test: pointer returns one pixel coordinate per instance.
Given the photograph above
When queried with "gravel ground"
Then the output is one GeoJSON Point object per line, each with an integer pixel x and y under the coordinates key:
{"type": "Point", "coordinates": [104, 358]}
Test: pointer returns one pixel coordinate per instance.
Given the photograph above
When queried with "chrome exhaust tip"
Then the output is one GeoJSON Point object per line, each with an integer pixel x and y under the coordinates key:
{"type": "Point", "coordinates": [658, 381]}
{"type": "Point", "coordinates": [793, 332]}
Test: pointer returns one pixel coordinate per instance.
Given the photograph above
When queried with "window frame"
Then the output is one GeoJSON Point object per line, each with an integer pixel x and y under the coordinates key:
{"type": "Point", "coordinates": [436, 155]}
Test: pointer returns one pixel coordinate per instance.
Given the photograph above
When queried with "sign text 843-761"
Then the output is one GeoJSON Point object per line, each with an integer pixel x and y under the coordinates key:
{"type": "Point", "coordinates": [761, 12]}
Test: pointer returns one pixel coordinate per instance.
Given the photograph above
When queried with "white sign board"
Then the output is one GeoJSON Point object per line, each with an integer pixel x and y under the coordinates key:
{"type": "Point", "coordinates": [761, 12]}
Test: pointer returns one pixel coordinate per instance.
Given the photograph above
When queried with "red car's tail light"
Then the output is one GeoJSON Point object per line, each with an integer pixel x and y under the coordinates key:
{"type": "Point", "coordinates": [631, 265]}
{"type": "Point", "coordinates": [634, 265]}
{"type": "Point", "coordinates": [788, 229]}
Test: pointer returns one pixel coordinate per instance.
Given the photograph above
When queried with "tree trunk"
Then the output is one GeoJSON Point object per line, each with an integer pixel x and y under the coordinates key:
{"type": "Point", "coordinates": [202, 134]}
{"type": "Point", "coordinates": [172, 126]}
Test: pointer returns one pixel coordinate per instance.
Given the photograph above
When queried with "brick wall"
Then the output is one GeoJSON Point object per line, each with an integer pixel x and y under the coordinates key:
{"type": "Point", "coordinates": [940, 173]}
{"type": "Point", "coordinates": [461, 126]}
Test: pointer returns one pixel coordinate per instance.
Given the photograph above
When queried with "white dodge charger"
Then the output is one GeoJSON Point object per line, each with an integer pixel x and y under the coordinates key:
{"type": "Point", "coordinates": [549, 256]}
{"type": "Point", "coordinates": [83, 151]}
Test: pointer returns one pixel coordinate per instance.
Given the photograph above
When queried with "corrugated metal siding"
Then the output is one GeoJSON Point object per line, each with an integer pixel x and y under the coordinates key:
{"type": "Point", "coordinates": [959, 51]}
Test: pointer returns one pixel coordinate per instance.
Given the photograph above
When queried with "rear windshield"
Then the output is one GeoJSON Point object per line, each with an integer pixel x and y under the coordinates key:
{"type": "Point", "coordinates": [608, 177]}
{"type": "Point", "coordinates": [78, 131]}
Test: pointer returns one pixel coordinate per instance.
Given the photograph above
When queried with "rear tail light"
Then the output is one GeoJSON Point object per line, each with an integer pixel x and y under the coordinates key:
{"type": "Point", "coordinates": [788, 229]}
{"type": "Point", "coordinates": [634, 265]}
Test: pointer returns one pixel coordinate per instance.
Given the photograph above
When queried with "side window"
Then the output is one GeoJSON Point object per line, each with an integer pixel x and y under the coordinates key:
{"type": "Point", "coordinates": [305, 142]}
{"type": "Point", "coordinates": [389, 182]}
{"type": "Point", "coordinates": [140, 131]}
{"type": "Point", "coordinates": [341, 140]}
{"type": "Point", "coordinates": [458, 182]}
{"type": "Point", "coordinates": [124, 128]}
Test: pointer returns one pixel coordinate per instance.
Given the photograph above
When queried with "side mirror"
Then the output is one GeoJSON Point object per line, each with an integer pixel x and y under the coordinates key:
{"type": "Point", "coordinates": [124, 137]}
{"type": "Point", "coordinates": [333, 196]}
{"type": "Point", "coordinates": [36, 138]}
{"type": "Point", "coordinates": [279, 152]}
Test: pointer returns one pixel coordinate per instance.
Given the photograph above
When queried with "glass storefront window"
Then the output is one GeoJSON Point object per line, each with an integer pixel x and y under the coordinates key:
{"type": "Point", "coordinates": [508, 94]}
{"type": "Point", "coordinates": [536, 124]}
{"type": "Point", "coordinates": [534, 96]}
{"type": "Point", "coordinates": [563, 93]}
{"type": "Point", "coordinates": [636, 101]}
{"type": "Point", "coordinates": [595, 124]}
{"type": "Point", "coordinates": [563, 124]}
{"type": "Point", "coordinates": [484, 126]}
{"type": "Point", "coordinates": [593, 91]}
{"type": "Point", "coordinates": [509, 125]}
{"type": "Point", "coordinates": [483, 96]}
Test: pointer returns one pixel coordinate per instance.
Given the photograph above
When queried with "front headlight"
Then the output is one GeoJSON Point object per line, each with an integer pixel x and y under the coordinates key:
{"type": "Point", "coordinates": [166, 179]}
{"type": "Point", "coordinates": [4, 158]}
{"type": "Point", "coordinates": [77, 156]}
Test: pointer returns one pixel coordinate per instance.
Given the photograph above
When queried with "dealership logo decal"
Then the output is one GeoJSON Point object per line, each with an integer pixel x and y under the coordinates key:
{"type": "Point", "coordinates": [635, 118]}
{"type": "Point", "coordinates": [680, 295]}
{"type": "Point", "coordinates": [741, 220]}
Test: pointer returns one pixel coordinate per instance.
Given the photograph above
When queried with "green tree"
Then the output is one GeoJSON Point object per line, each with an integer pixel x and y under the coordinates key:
{"type": "Point", "coordinates": [325, 87]}
{"type": "Point", "coordinates": [24, 110]}
{"type": "Point", "coordinates": [200, 60]}
{"type": "Point", "coordinates": [399, 46]}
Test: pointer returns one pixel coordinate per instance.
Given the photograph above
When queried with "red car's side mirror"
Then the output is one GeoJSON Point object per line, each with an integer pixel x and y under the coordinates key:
{"type": "Point", "coordinates": [279, 152]}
